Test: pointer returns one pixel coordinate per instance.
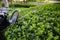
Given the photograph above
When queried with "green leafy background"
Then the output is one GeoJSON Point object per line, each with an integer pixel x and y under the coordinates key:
{"type": "Point", "coordinates": [40, 23]}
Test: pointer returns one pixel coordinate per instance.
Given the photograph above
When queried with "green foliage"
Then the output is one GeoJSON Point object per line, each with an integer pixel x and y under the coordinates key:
{"type": "Point", "coordinates": [23, 5]}
{"type": "Point", "coordinates": [31, 0]}
{"type": "Point", "coordinates": [41, 23]}
{"type": "Point", "coordinates": [0, 4]}
{"type": "Point", "coordinates": [35, 0]}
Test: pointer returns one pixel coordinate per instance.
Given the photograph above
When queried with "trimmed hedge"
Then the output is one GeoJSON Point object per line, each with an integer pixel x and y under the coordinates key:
{"type": "Point", "coordinates": [22, 5]}
{"type": "Point", "coordinates": [40, 23]}
{"type": "Point", "coordinates": [19, 5]}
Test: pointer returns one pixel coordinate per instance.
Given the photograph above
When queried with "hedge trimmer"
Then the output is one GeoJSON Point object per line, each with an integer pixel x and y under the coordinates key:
{"type": "Point", "coordinates": [4, 22]}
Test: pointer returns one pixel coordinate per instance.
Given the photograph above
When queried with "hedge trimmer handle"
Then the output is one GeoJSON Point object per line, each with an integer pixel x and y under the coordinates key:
{"type": "Point", "coordinates": [14, 17]}
{"type": "Point", "coordinates": [6, 3]}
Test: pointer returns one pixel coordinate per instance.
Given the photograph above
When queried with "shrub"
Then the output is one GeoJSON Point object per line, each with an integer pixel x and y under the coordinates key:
{"type": "Point", "coordinates": [40, 23]}
{"type": "Point", "coordinates": [22, 5]}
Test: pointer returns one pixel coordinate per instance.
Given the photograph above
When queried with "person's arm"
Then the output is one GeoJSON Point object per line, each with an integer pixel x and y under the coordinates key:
{"type": "Point", "coordinates": [6, 3]}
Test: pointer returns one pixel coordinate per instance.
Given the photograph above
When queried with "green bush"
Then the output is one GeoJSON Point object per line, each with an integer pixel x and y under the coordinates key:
{"type": "Point", "coordinates": [40, 23]}
{"type": "Point", "coordinates": [23, 5]}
